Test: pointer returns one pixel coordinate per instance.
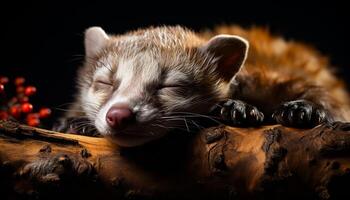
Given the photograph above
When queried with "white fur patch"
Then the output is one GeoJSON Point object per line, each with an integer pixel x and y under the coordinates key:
{"type": "Point", "coordinates": [102, 72]}
{"type": "Point", "coordinates": [133, 74]}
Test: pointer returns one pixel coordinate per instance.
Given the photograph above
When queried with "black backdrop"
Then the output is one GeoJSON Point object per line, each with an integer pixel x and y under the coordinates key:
{"type": "Point", "coordinates": [43, 41]}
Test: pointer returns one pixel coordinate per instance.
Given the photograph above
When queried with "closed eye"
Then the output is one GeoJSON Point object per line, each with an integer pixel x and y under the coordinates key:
{"type": "Point", "coordinates": [103, 82]}
{"type": "Point", "coordinates": [101, 85]}
{"type": "Point", "coordinates": [174, 84]}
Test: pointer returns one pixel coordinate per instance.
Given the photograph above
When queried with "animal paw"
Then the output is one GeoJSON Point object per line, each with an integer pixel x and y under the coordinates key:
{"type": "Point", "coordinates": [239, 113]}
{"type": "Point", "coordinates": [300, 113]}
{"type": "Point", "coordinates": [81, 126]}
{"type": "Point", "coordinates": [55, 168]}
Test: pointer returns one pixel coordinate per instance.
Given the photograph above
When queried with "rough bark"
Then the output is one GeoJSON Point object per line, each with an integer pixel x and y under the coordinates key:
{"type": "Point", "coordinates": [271, 162]}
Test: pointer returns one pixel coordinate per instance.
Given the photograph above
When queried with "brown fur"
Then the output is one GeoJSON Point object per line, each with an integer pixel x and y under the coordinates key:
{"type": "Point", "coordinates": [275, 72]}
{"type": "Point", "coordinates": [278, 70]}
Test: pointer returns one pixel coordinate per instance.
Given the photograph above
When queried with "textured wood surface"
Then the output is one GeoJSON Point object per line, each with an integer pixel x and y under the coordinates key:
{"type": "Point", "coordinates": [271, 162]}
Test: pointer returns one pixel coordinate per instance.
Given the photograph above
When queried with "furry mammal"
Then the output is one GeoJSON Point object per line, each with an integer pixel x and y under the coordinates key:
{"type": "Point", "coordinates": [135, 87]}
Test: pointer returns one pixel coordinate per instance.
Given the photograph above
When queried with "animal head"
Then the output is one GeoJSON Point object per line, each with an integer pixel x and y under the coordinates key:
{"type": "Point", "coordinates": [136, 86]}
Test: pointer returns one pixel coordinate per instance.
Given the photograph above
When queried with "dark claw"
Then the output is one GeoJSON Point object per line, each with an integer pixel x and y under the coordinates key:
{"type": "Point", "coordinates": [300, 113]}
{"type": "Point", "coordinates": [239, 113]}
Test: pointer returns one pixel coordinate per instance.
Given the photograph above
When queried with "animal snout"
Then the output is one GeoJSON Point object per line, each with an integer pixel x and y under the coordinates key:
{"type": "Point", "coordinates": [119, 116]}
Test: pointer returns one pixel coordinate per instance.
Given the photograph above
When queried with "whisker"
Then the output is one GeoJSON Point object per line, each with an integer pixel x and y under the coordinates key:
{"type": "Point", "coordinates": [69, 103]}
{"type": "Point", "coordinates": [197, 115]}
{"type": "Point", "coordinates": [197, 125]}
{"type": "Point", "coordinates": [62, 109]}
{"type": "Point", "coordinates": [188, 130]}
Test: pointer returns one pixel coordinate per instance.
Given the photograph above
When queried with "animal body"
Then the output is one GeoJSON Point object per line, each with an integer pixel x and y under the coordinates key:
{"type": "Point", "coordinates": [135, 87]}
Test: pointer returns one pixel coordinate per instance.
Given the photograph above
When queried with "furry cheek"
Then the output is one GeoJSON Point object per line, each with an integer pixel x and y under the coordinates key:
{"type": "Point", "coordinates": [100, 122]}
{"type": "Point", "coordinates": [93, 101]}
{"type": "Point", "coordinates": [146, 113]}
{"type": "Point", "coordinates": [172, 101]}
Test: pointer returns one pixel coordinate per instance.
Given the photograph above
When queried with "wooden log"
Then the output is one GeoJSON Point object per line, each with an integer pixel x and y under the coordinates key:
{"type": "Point", "coordinates": [271, 162]}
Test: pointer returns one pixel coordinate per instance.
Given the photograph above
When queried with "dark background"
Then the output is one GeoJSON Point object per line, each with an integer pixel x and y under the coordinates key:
{"type": "Point", "coordinates": [44, 42]}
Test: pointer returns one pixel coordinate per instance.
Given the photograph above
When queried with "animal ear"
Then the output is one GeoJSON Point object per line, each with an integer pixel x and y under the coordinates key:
{"type": "Point", "coordinates": [230, 53]}
{"type": "Point", "coordinates": [95, 39]}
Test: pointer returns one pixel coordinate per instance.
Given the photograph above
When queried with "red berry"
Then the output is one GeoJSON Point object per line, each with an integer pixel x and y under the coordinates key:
{"type": "Point", "coordinates": [33, 122]}
{"type": "Point", "coordinates": [44, 112]}
{"type": "Point", "coordinates": [2, 88]}
{"type": "Point", "coordinates": [15, 111]}
{"type": "Point", "coordinates": [32, 116]}
{"type": "Point", "coordinates": [30, 90]}
{"type": "Point", "coordinates": [33, 119]}
{"type": "Point", "coordinates": [20, 89]}
{"type": "Point", "coordinates": [4, 80]}
{"type": "Point", "coordinates": [19, 81]}
{"type": "Point", "coordinates": [3, 115]}
{"type": "Point", "coordinates": [27, 107]}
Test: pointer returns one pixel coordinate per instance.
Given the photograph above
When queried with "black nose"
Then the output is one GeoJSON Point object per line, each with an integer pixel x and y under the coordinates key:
{"type": "Point", "coordinates": [119, 116]}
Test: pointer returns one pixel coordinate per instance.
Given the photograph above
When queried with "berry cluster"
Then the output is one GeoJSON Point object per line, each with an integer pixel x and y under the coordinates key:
{"type": "Point", "coordinates": [18, 106]}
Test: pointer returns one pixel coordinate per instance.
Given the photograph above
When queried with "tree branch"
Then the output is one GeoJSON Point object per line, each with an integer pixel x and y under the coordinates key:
{"type": "Point", "coordinates": [271, 162]}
